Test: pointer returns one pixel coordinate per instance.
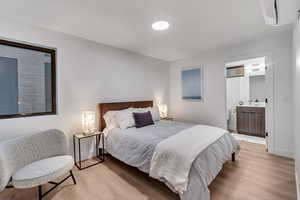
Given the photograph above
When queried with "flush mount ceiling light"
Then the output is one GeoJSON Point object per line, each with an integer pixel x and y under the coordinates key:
{"type": "Point", "coordinates": [160, 25]}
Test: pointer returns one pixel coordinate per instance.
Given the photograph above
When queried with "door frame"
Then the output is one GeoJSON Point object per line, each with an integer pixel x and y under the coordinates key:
{"type": "Point", "coordinates": [269, 76]}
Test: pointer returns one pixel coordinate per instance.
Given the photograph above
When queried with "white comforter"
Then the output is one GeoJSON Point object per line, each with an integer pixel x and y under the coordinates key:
{"type": "Point", "coordinates": [173, 157]}
{"type": "Point", "coordinates": [137, 146]}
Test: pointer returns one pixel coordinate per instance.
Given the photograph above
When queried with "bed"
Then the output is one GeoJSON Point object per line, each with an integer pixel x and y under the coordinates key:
{"type": "Point", "coordinates": [137, 146]}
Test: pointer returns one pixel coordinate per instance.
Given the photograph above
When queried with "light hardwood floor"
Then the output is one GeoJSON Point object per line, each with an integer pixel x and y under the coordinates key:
{"type": "Point", "coordinates": [256, 175]}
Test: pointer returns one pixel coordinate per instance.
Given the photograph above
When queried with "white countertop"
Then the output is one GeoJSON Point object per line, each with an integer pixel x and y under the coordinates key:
{"type": "Point", "coordinates": [254, 104]}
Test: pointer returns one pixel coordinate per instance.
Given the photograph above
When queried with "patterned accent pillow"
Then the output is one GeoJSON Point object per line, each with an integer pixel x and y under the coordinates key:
{"type": "Point", "coordinates": [143, 119]}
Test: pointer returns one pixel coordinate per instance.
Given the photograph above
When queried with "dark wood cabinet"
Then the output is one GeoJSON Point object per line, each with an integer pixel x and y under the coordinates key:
{"type": "Point", "coordinates": [251, 120]}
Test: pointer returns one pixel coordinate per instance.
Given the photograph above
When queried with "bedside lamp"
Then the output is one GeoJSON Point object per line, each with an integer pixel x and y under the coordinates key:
{"type": "Point", "coordinates": [88, 122]}
{"type": "Point", "coordinates": [163, 111]}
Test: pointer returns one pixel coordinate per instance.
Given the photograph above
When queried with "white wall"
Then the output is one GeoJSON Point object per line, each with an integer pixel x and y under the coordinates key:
{"type": "Point", "coordinates": [258, 88]}
{"type": "Point", "coordinates": [233, 98]}
{"type": "Point", "coordinates": [233, 91]}
{"type": "Point", "coordinates": [88, 73]}
{"type": "Point", "coordinates": [244, 89]}
{"type": "Point", "coordinates": [212, 110]}
{"type": "Point", "coordinates": [237, 89]}
{"type": "Point", "coordinates": [296, 102]}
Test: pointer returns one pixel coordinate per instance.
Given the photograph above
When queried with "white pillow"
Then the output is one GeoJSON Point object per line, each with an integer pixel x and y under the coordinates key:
{"type": "Point", "coordinates": [140, 110]}
{"type": "Point", "coordinates": [155, 113]}
{"type": "Point", "coordinates": [110, 120]}
{"type": "Point", "coordinates": [125, 118]}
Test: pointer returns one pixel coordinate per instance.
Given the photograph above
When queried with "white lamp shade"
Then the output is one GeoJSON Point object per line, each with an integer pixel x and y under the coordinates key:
{"type": "Point", "coordinates": [88, 121]}
{"type": "Point", "coordinates": [163, 110]}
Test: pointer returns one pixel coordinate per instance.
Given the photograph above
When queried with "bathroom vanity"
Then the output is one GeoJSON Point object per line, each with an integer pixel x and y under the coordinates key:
{"type": "Point", "coordinates": [251, 120]}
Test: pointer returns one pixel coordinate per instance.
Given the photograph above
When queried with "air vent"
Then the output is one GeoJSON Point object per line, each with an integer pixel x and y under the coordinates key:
{"type": "Point", "coordinates": [270, 11]}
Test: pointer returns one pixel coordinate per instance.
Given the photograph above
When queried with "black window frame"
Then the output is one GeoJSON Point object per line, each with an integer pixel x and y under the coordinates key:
{"type": "Point", "coordinates": [52, 52]}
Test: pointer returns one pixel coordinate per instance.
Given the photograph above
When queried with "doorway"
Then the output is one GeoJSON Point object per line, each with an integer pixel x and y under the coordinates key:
{"type": "Point", "coordinates": [248, 89]}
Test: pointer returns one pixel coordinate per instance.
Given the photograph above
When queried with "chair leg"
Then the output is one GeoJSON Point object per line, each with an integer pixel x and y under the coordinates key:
{"type": "Point", "coordinates": [40, 192]}
{"type": "Point", "coordinates": [233, 157]}
{"type": "Point", "coordinates": [71, 173]}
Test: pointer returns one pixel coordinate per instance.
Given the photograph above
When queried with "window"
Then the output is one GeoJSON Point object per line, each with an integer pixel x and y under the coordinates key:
{"type": "Point", "coordinates": [27, 80]}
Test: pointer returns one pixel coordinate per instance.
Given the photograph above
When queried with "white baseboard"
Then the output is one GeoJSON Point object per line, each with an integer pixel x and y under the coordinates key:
{"type": "Point", "coordinates": [283, 152]}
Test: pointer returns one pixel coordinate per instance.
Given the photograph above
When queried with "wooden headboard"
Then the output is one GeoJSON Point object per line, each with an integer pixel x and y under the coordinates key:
{"type": "Point", "coordinates": [105, 107]}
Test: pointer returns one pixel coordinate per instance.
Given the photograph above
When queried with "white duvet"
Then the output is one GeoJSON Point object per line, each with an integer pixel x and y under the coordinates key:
{"type": "Point", "coordinates": [136, 147]}
{"type": "Point", "coordinates": [173, 157]}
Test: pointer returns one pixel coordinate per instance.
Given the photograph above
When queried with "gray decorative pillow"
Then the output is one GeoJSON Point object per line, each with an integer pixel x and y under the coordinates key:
{"type": "Point", "coordinates": [142, 119]}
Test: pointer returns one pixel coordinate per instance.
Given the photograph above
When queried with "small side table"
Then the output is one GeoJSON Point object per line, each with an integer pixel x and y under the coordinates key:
{"type": "Point", "coordinates": [98, 136]}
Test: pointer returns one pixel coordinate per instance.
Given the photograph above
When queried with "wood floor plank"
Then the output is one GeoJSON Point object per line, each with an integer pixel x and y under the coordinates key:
{"type": "Point", "coordinates": [256, 175]}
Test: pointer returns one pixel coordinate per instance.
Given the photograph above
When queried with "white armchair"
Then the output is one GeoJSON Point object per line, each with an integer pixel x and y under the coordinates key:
{"type": "Point", "coordinates": [34, 160]}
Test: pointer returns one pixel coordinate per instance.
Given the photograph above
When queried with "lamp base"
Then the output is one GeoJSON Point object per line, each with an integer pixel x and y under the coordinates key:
{"type": "Point", "coordinates": [167, 118]}
{"type": "Point", "coordinates": [89, 133]}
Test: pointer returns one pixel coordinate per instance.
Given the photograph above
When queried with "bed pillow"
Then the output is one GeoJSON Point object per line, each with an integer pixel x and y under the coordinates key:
{"type": "Point", "coordinates": [143, 119]}
{"type": "Point", "coordinates": [110, 120]}
{"type": "Point", "coordinates": [154, 112]}
{"type": "Point", "coordinates": [125, 118]}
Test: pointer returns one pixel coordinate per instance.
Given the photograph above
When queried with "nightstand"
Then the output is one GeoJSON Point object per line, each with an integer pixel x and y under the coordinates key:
{"type": "Point", "coordinates": [98, 136]}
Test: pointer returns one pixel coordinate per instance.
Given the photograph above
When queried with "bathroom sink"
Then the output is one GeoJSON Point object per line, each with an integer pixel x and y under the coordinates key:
{"type": "Point", "coordinates": [254, 104]}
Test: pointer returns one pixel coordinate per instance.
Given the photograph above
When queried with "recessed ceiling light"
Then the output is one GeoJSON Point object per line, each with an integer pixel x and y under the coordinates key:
{"type": "Point", "coordinates": [160, 25]}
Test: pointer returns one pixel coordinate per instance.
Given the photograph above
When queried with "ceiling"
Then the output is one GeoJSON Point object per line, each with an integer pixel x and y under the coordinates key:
{"type": "Point", "coordinates": [195, 25]}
